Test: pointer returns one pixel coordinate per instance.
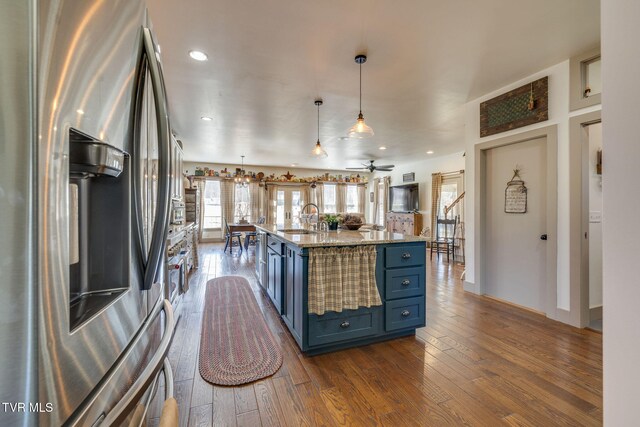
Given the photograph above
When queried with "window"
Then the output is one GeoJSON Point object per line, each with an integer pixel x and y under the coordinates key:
{"type": "Point", "coordinates": [381, 203]}
{"type": "Point", "coordinates": [212, 208]}
{"type": "Point", "coordinates": [352, 199]}
{"type": "Point", "coordinates": [585, 81]}
{"type": "Point", "coordinates": [329, 198]}
{"type": "Point", "coordinates": [243, 206]}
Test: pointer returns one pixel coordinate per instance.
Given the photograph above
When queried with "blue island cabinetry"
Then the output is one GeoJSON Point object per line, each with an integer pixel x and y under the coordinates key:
{"type": "Point", "coordinates": [400, 277]}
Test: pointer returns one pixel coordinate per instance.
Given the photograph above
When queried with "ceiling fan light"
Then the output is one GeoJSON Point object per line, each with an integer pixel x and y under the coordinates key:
{"type": "Point", "coordinates": [360, 130]}
{"type": "Point", "coordinates": [318, 151]}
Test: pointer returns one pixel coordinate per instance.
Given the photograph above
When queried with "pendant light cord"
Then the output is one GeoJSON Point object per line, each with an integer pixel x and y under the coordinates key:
{"type": "Point", "coordinates": [318, 122]}
{"type": "Point", "coordinates": [361, 88]}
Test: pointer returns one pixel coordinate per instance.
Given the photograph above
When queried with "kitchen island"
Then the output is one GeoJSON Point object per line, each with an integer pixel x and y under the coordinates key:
{"type": "Point", "coordinates": [400, 275]}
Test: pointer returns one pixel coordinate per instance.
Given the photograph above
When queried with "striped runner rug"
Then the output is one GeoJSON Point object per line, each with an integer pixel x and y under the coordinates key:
{"type": "Point", "coordinates": [236, 345]}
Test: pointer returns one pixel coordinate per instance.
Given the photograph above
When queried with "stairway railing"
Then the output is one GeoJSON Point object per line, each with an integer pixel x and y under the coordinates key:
{"type": "Point", "coordinates": [447, 209]}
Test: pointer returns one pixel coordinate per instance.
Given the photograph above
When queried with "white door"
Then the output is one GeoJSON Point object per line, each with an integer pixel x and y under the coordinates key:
{"type": "Point", "coordinates": [593, 229]}
{"type": "Point", "coordinates": [288, 206]}
{"type": "Point", "coordinates": [515, 252]}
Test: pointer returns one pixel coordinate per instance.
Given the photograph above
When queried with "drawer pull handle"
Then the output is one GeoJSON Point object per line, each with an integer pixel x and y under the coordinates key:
{"type": "Point", "coordinates": [405, 313]}
{"type": "Point", "coordinates": [406, 282]}
{"type": "Point", "coordinates": [345, 324]}
{"type": "Point", "coordinates": [406, 255]}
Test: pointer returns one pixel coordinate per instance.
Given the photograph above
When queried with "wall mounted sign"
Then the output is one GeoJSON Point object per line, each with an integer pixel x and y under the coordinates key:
{"type": "Point", "coordinates": [409, 177]}
{"type": "Point", "coordinates": [520, 107]}
{"type": "Point", "coordinates": [515, 195]}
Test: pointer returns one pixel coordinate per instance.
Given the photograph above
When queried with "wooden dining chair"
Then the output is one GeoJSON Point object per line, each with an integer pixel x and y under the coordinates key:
{"type": "Point", "coordinates": [252, 234]}
{"type": "Point", "coordinates": [445, 243]}
{"type": "Point", "coordinates": [229, 236]}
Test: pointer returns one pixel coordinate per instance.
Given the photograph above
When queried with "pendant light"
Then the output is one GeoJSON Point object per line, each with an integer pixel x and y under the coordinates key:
{"type": "Point", "coordinates": [241, 179]}
{"type": "Point", "coordinates": [318, 151]}
{"type": "Point", "coordinates": [360, 129]}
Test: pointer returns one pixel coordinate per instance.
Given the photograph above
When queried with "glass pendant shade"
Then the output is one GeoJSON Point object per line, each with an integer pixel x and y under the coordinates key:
{"type": "Point", "coordinates": [360, 129]}
{"type": "Point", "coordinates": [318, 151]}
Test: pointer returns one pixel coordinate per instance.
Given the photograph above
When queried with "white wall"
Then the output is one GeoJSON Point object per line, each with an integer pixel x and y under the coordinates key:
{"type": "Point", "coordinates": [621, 197]}
{"type": "Point", "coordinates": [558, 115]}
{"type": "Point", "coordinates": [423, 170]}
{"type": "Point", "coordinates": [595, 215]}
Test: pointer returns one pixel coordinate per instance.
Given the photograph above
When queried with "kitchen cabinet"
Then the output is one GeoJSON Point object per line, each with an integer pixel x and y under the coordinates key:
{"type": "Point", "coordinates": [404, 223]}
{"type": "Point", "coordinates": [192, 205]}
{"type": "Point", "coordinates": [176, 187]}
{"type": "Point", "coordinates": [400, 276]}
{"type": "Point", "coordinates": [275, 261]}
{"type": "Point", "coordinates": [293, 290]}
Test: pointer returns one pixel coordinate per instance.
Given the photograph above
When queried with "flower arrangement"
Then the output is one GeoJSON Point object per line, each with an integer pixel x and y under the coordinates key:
{"type": "Point", "coordinates": [332, 221]}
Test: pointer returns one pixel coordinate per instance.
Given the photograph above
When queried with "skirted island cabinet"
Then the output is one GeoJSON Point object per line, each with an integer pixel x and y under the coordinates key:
{"type": "Point", "coordinates": [347, 288]}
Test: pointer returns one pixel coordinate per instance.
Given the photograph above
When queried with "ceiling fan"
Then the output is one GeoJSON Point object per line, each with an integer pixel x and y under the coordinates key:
{"type": "Point", "coordinates": [371, 167]}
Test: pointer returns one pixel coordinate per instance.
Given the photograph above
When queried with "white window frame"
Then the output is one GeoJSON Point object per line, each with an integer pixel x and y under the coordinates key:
{"type": "Point", "coordinates": [219, 204]}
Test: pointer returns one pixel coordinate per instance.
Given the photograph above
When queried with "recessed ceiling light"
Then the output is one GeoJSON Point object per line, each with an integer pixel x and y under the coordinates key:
{"type": "Point", "coordinates": [382, 148]}
{"type": "Point", "coordinates": [198, 56]}
{"type": "Point", "coordinates": [80, 111]}
{"type": "Point", "coordinates": [206, 118]}
{"type": "Point", "coordinates": [343, 138]}
{"type": "Point", "coordinates": [430, 152]}
{"type": "Point", "coordinates": [293, 165]}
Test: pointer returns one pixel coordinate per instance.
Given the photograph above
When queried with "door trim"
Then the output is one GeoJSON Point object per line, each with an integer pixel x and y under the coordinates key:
{"type": "Point", "coordinates": [578, 314]}
{"type": "Point", "coordinates": [550, 133]}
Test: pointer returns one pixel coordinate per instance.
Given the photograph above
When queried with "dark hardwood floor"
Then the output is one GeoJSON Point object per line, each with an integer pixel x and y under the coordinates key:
{"type": "Point", "coordinates": [477, 362]}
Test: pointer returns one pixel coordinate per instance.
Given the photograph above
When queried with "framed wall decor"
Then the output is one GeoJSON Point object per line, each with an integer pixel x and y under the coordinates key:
{"type": "Point", "coordinates": [409, 177]}
{"type": "Point", "coordinates": [519, 107]}
{"type": "Point", "coordinates": [515, 195]}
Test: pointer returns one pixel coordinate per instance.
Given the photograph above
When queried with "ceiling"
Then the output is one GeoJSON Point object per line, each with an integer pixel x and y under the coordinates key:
{"type": "Point", "coordinates": [269, 60]}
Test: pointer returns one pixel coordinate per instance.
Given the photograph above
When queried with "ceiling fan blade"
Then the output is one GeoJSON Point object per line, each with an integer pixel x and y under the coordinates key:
{"type": "Point", "coordinates": [385, 166]}
{"type": "Point", "coordinates": [356, 168]}
{"type": "Point", "coordinates": [384, 169]}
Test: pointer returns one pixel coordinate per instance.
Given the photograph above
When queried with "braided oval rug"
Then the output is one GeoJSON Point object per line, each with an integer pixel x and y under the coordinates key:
{"type": "Point", "coordinates": [236, 345]}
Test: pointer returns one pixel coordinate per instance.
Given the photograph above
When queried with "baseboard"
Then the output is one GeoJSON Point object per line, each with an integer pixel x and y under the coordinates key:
{"type": "Point", "coordinates": [513, 304]}
{"type": "Point", "coordinates": [595, 313]}
{"type": "Point", "coordinates": [471, 287]}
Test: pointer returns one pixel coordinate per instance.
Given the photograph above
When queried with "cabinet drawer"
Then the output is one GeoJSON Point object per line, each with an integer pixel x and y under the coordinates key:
{"type": "Point", "coordinates": [350, 324]}
{"type": "Point", "coordinates": [404, 282]}
{"type": "Point", "coordinates": [274, 244]}
{"type": "Point", "coordinates": [190, 198]}
{"type": "Point", "coordinates": [404, 313]}
{"type": "Point", "coordinates": [405, 256]}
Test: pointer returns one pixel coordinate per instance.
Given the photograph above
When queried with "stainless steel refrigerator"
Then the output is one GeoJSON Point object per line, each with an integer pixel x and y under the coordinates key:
{"type": "Point", "coordinates": [84, 207]}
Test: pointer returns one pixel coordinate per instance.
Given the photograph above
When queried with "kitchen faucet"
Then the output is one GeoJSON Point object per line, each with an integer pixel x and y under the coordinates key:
{"type": "Point", "coordinates": [317, 210]}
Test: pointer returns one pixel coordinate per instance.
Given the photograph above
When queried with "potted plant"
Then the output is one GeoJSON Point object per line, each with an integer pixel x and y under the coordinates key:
{"type": "Point", "coordinates": [332, 221]}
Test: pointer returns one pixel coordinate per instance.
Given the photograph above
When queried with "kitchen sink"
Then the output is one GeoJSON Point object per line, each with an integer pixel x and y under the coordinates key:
{"type": "Point", "coordinates": [296, 231]}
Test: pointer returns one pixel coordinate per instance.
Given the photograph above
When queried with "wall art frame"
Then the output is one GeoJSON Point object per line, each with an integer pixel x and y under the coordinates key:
{"type": "Point", "coordinates": [523, 106]}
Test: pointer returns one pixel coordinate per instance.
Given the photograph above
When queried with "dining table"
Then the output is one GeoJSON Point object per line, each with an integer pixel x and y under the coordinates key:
{"type": "Point", "coordinates": [240, 227]}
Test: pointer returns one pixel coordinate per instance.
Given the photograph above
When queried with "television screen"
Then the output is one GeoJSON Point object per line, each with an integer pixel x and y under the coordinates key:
{"type": "Point", "coordinates": [404, 198]}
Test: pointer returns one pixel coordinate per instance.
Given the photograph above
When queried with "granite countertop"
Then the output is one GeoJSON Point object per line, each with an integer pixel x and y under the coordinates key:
{"type": "Point", "coordinates": [337, 238]}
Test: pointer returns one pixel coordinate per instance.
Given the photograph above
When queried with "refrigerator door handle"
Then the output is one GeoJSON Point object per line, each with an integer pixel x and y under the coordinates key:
{"type": "Point", "coordinates": [144, 379]}
{"type": "Point", "coordinates": [117, 415]}
{"type": "Point", "coordinates": [161, 224]}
